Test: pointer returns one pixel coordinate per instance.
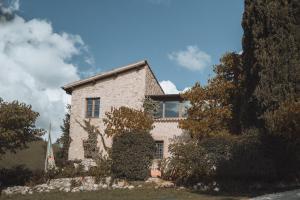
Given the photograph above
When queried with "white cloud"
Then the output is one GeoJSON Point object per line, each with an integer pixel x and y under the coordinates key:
{"type": "Point", "coordinates": [170, 88]}
{"type": "Point", "coordinates": [34, 63]}
{"type": "Point", "coordinates": [192, 58]}
{"type": "Point", "coordinates": [14, 5]}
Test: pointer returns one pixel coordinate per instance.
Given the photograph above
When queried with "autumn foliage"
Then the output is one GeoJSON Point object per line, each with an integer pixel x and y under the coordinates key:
{"type": "Point", "coordinates": [211, 111]}
{"type": "Point", "coordinates": [124, 119]}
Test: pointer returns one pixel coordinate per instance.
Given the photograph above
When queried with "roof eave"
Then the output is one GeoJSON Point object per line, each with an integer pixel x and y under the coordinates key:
{"type": "Point", "coordinates": [69, 87]}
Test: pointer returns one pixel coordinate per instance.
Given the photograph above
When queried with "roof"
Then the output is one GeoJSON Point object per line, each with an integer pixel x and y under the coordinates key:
{"type": "Point", "coordinates": [166, 97]}
{"type": "Point", "coordinates": [69, 87]}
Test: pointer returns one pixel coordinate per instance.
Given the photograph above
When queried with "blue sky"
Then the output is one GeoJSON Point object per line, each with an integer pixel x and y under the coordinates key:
{"type": "Point", "coordinates": [119, 32]}
{"type": "Point", "coordinates": [50, 43]}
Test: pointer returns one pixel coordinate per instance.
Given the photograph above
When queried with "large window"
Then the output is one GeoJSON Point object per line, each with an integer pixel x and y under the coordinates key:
{"type": "Point", "coordinates": [172, 109]}
{"type": "Point", "coordinates": [159, 151]}
{"type": "Point", "coordinates": [92, 107]}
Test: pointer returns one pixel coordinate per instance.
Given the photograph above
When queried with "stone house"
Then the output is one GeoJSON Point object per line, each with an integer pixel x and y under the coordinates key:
{"type": "Point", "coordinates": [124, 86]}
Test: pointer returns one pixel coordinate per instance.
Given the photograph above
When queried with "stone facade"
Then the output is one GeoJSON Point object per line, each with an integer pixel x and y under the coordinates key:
{"type": "Point", "coordinates": [165, 130]}
{"type": "Point", "coordinates": [126, 88]}
{"type": "Point", "coordinates": [113, 92]}
{"type": "Point", "coordinates": [152, 85]}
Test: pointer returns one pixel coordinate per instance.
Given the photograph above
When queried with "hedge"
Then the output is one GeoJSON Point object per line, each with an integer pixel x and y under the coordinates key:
{"type": "Point", "coordinates": [132, 154]}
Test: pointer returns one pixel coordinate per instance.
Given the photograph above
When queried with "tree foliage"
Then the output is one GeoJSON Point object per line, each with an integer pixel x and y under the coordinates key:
{"type": "Point", "coordinates": [271, 58]}
{"type": "Point", "coordinates": [17, 126]}
{"type": "Point", "coordinates": [124, 119]}
{"type": "Point", "coordinates": [91, 150]}
{"type": "Point", "coordinates": [150, 106]}
{"type": "Point", "coordinates": [284, 121]}
{"type": "Point", "coordinates": [212, 106]}
{"type": "Point", "coordinates": [132, 154]}
{"type": "Point", "coordinates": [65, 140]}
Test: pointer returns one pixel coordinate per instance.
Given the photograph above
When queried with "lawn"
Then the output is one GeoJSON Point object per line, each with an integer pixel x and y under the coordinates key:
{"type": "Point", "coordinates": [136, 194]}
{"type": "Point", "coordinates": [32, 157]}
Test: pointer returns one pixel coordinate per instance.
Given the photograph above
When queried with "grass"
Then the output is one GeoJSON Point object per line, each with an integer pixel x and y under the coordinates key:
{"type": "Point", "coordinates": [32, 157]}
{"type": "Point", "coordinates": [136, 194]}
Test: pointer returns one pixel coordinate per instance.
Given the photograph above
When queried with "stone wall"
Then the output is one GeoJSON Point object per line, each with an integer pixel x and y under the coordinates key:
{"type": "Point", "coordinates": [165, 131]}
{"type": "Point", "coordinates": [152, 86]}
{"type": "Point", "coordinates": [126, 89]}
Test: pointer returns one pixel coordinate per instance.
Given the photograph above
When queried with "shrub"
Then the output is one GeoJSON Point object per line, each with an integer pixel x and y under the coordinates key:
{"type": "Point", "coordinates": [219, 158]}
{"type": "Point", "coordinates": [248, 160]}
{"type": "Point", "coordinates": [285, 155]}
{"type": "Point", "coordinates": [37, 177]}
{"type": "Point", "coordinates": [132, 154]}
{"type": "Point", "coordinates": [18, 175]}
{"type": "Point", "coordinates": [103, 168]}
{"type": "Point", "coordinates": [194, 161]}
{"type": "Point", "coordinates": [68, 171]}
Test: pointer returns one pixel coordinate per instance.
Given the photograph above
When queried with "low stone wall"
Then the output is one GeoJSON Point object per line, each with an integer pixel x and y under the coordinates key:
{"type": "Point", "coordinates": [62, 184]}
{"type": "Point", "coordinates": [82, 184]}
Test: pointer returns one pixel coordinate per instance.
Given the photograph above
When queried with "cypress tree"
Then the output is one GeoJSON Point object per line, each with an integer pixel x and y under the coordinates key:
{"type": "Point", "coordinates": [271, 57]}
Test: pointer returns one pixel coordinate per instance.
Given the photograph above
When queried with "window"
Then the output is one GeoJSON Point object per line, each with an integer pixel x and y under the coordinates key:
{"type": "Point", "coordinates": [92, 107]}
{"type": "Point", "coordinates": [159, 113]}
{"type": "Point", "coordinates": [171, 109]}
{"type": "Point", "coordinates": [159, 151]}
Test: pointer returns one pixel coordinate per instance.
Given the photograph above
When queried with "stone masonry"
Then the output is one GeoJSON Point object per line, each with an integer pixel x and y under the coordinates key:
{"type": "Point", "coordinates": [126, 88]}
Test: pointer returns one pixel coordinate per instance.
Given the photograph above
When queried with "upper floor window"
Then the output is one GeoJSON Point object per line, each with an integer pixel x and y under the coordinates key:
{"type": "Point", "coordinates": [172, 109]}
{"type": "Point", "coordinates": [92, 107]}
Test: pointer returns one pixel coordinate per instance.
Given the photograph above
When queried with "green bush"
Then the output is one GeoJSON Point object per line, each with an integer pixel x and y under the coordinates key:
{"type": "Point", "coordinates": [103, 168]}
{"type": "Point", "coordinates": [220, 158]}
{"type": "Point", "coordinates": [20, 175]}
{"type": "Point", "coordinates": [248, 160]}
{"type": "Point", "coordinates": [192, 161]}
{"type": "Point", "coordinates": [132, 154]}
{"type": "Point", "coordinates": [17, 175]}
{"type": "Point", "coordinates": [285, 155]}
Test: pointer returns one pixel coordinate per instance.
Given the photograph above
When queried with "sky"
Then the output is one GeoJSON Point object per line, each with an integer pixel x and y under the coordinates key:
{"type": "Point", "coordinates": [53, 42]}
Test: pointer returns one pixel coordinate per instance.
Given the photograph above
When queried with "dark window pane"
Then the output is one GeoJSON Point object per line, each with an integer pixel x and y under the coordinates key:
{"type": "Point", "coordinates": [171, 109]}
{"type": "Point", "coordinates": [89, 111]}
{"type": "Point", "coordinates": [159, 113]}
{"type": "Point", "coordinates": [96, 107]}
{"type": "Point", "coordinates": [159, 152]}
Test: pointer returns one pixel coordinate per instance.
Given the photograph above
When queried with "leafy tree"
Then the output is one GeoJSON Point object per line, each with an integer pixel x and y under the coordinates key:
{"type": "Point", "coordinates": [125, 119]}
{"type": "Point", "coordinates": [271, 58]}
{"type": "Point", "coordinates": [65, 140]}
{"type": "Point", "coordinates": [214, 107]}
{"type": "Point", "coordinates": [285, 120]}
{"type": "Point", "coordinates": [230, 70]}
{"type": "Point", "coordinates": [150, 106]}
{"type": "Point", "coordinates": [17, 126]}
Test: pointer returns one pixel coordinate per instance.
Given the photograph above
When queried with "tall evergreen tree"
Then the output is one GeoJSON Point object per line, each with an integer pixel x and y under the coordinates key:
{"type": "Point", "coordinates": [230, 70]}
{"type": "Point", "coordinates": [65, 139]}
{"type": "Point", "coordinates": [271, 57]}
